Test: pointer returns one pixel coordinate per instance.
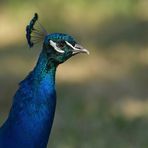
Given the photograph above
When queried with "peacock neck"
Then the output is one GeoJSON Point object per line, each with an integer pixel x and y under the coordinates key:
{"type": "Point", "coordinates": [32, 112]}
{"type": "Point", "coordinates": [44, 67]}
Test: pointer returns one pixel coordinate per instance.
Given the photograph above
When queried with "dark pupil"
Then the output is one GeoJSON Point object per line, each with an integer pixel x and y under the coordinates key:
{"type": "Point", "coordinates": [61, 44]}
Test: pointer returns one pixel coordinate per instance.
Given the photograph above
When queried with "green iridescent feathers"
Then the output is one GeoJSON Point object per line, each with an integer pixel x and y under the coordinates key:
{"type": "Point", "coordinates": [35, 32]}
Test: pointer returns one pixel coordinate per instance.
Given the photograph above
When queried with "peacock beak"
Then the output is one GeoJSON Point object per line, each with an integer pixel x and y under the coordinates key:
{"type": "Point", "coordinates": [80, 49]}
{"type": "Point", "coordinates": [77, 48]}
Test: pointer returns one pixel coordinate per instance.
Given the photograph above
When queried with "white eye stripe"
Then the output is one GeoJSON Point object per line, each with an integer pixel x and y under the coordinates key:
{"type": "Point", "coordinates": [53, 44]}
{"type": "Point", "coordinates": [71, 46]}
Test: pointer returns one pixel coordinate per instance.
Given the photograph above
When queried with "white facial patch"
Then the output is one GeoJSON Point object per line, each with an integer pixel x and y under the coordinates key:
{"type": "Point", "coordinates": [71, 46]}
{"type": "Point", "coordinates": [53, 44]}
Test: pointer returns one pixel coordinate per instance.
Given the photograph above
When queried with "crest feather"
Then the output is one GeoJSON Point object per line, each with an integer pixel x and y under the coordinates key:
{"type": "Point", "coordinates": [35, 32]}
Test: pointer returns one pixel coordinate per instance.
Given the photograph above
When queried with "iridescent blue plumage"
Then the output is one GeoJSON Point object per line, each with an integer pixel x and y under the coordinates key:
{"type": "Point", "coordinates": [31, 116]}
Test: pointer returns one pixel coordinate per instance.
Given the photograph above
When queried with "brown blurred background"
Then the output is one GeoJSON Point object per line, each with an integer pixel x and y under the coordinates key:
{"type": "Point", "coordinates": [102, 98]}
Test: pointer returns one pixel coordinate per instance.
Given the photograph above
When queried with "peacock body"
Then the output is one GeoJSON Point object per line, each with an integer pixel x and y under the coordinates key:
{"type": "Point", "coordinates": [31, 116]}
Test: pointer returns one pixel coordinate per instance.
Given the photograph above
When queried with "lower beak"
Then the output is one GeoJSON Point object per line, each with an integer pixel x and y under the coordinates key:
{"type": "Point", "coordinates": [80, 49]}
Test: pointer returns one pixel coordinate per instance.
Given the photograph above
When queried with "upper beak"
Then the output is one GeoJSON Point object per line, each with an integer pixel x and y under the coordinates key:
{"type": "Point", "coordinates": [80, 49]}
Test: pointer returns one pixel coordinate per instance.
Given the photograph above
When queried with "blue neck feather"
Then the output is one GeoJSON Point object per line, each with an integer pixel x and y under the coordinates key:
{"type": "Point", "coordinates": [32, 113]}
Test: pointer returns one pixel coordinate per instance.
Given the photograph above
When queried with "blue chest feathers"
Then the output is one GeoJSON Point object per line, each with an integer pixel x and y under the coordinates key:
{"type": "Point", "coordinates": [31, 116]}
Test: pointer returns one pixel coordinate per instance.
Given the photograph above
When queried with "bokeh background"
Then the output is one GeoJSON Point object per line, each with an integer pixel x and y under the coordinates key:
{"type": "Point", "coordinates": [102, 98]}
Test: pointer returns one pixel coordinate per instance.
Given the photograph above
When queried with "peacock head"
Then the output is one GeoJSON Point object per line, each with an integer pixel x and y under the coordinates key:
{"type": "Point", "coordinates": [61, 47]}
{"type": "Point", "coordinates": [58, 47]}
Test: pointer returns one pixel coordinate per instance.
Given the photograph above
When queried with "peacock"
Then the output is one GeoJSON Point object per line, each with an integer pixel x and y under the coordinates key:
{"type": "Point", "coordinates": [31, 116]}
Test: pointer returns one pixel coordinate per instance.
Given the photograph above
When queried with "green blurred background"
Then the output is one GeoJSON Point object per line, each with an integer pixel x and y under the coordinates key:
{"type": "Point", "coordinates": [102, 98]}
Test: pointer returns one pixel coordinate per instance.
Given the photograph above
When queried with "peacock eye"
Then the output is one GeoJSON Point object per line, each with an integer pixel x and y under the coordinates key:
{"type": "Point", "coordinates": [61, 44]}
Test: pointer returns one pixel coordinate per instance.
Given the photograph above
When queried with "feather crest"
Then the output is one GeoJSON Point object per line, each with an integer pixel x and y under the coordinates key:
{"type": "Point", "coordinates": [35, 32]}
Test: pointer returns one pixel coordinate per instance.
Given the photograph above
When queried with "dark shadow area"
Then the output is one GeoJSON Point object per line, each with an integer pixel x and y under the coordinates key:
{"type": "Point", "coordinates": [86, 115]}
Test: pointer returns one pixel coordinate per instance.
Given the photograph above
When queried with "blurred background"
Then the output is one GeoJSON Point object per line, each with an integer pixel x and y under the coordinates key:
{"type": "Point", "coordinates": [103, 97]}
